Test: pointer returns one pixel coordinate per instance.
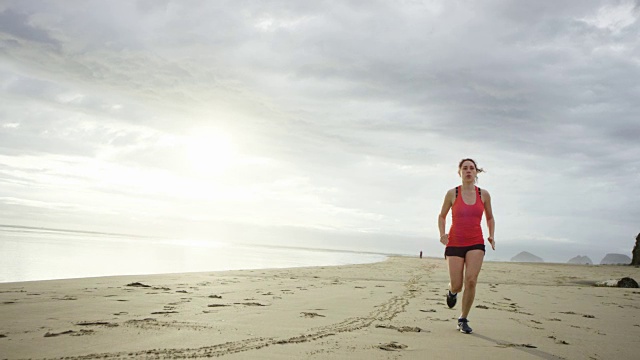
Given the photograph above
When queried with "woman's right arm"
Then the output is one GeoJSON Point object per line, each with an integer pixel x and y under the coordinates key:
{"type": "Point", "coordinates": [442, 218]}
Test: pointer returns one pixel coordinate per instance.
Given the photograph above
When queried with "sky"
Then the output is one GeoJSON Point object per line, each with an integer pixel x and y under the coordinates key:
{"type": "Point", "coordinates": [330, 124]}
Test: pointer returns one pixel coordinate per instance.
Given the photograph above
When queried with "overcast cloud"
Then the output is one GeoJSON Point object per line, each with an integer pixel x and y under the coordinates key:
{"type": "Point", "coordinates": [327, 123]}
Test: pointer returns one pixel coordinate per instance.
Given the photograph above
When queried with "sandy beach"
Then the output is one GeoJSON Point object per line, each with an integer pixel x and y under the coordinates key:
{"type": "Point", "coordinates": [389, 310]}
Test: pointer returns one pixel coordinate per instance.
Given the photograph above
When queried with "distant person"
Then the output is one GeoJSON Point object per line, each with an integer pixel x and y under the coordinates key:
{"type": "Point", "coordinates": [464, 243]}
{"type": "Point", "coordinates": [420, 254]}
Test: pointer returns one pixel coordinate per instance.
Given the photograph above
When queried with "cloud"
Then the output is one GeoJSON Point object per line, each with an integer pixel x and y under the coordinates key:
{"type": "Point", "coordinates": [614, 17]}
{"type": "Point", "coordinates": [18, 26]}
{"type": "Point", "coordinates": [348, 116]}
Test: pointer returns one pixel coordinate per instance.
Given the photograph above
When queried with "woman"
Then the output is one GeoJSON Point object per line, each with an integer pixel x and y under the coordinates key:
{"type": "Point", "coordinates": [464, 243]}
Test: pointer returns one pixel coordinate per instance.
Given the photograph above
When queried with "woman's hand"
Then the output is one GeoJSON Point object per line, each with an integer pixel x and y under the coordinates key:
{"type": "Point", "coordinates": [492, 242]}
{"type": "Point", "coordinates": [444, 239]}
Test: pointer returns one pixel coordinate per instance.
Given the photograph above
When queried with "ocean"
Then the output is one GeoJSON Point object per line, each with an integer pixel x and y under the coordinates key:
{"type": "Point", "coordinates": [29, 254]}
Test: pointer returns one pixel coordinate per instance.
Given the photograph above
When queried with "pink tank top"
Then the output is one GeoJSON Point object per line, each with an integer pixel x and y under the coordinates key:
{"type": "Point", "coordinates": [465, 225]}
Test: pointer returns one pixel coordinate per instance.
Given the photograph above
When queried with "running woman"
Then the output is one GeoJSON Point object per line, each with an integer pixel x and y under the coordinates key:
{"type": "Point", "coordinates": [464, 243]}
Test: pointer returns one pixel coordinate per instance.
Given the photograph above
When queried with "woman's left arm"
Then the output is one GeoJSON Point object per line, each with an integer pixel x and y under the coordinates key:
{"type": "Point", "coordinates": [491, 222]}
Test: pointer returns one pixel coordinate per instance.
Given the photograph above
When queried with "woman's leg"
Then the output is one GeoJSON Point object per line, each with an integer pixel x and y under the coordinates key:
{"type": "Point", "coordinates": [473, 262]}
{"type": "Point", "coordinates": [456, 273]}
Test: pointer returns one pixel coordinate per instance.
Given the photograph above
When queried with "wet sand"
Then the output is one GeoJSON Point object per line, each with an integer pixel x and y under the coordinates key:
{"type": "Point", "coordinates": [389, 310]}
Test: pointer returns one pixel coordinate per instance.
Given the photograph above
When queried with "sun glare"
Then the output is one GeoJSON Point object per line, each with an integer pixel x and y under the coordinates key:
{"type": "Point", "coordinates": [209, 151]}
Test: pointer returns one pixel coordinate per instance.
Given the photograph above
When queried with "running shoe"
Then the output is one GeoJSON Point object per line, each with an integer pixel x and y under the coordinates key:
{"type": "Point", "coordinates": [451, 299]}
{"type": "Point", "coordinates": [463, 326]}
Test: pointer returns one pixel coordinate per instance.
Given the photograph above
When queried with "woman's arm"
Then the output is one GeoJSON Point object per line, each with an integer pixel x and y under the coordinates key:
{"type": "Point", "coordinates": [491, 222]}
{"type": "Point", "coordinates": [442, 218]}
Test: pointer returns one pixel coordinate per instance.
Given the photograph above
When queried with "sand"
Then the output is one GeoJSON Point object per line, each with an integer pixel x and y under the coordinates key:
{"type": "Point", "coordinates": [389, 310]}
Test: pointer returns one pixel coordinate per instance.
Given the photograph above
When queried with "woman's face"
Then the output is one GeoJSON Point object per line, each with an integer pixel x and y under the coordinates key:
{"type": "Point", "coordinates": [468, 171]}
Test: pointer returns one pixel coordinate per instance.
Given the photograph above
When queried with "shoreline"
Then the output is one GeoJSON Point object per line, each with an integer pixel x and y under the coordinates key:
{"type": "Point", "coordinates": [30, 261]}
{"type": "Point", "coordinates": [188, 273]}
{"type": "Point", "coordinates": [393, 308]}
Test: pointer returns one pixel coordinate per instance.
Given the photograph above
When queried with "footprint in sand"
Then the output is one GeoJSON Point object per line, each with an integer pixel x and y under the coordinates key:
{"type": "Point", "coordinates": [558, 341]}
{"type": "Point", "coordinates": [97, 323]}
{"type": "Point", "coordinates": [311, 314]}
{"type": "Point", "coordinates": [83, 332]}
{"type": "Point", "coordinates": [50, 334]}
{"type": "Point", "coordinates": [250, 304]}
{"type": "Point", "coordinates": [401, 329]}
{"type": "Point", "coordinates": [70, 332]}
{"type": "Point", "coordinates": [392, 346]}
{"type": "Point", "coordinates": [506, 345]}
{"type": "Point", "coordinates": [573, 313]}
{"type": "Point", "coordinates": [138, 284]}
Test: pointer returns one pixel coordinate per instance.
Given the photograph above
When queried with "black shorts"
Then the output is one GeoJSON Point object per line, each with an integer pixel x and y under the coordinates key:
{"type": "Point", "coordinates": [461, 251]}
